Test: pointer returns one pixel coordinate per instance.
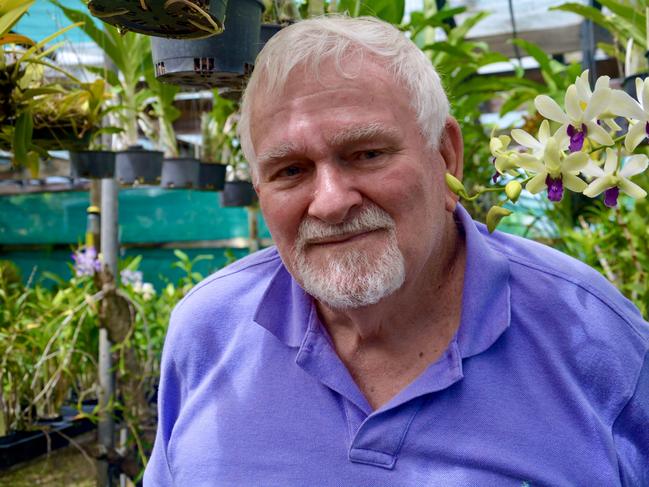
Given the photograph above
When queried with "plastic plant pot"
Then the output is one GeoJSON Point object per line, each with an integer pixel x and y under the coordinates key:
{"type": "Point", "coordinates": [238, 193]}
{"type": "Point", "coordinates": [138, 166]}
{"type": "Point", "coordinates": [179, 19]}
{"type": "Point", "coordinates": [225, 60]}
{"type": "Point", "coordinates": [267, 31]}
{"type": "Point", "coordinates": [211, 176]}
{"type": "Point", "coordinates": [180, 173]}
{"type": "Point", "coordinates": [92, 164]}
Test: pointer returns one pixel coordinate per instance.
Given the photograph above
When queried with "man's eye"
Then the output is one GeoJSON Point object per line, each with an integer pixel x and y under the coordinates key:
{"type": "Point", "coordinates": [369, 154]}
{"type": "Point", "coordinates": [289, 172]}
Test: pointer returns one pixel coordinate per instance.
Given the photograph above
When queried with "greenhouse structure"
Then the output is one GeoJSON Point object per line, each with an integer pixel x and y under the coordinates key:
{"type": "Point", "coordinates": [324, 242]}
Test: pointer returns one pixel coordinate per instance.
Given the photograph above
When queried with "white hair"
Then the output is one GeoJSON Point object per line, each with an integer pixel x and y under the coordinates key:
{"type": "Point", "coordinates": [310, 42]}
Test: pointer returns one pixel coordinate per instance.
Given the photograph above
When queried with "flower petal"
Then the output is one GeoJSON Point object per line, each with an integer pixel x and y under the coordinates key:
{"type": "Point", "coordinates": [583, 87]}
{"type": "Point", "coordinates": [544, 132]}
{"type": "Point", "coordinates": [632, 189]}
{"type": "Point", "coordinates": [611, 161]}
{"type": "Point", "coordinates": [525, 139]}
{"type": "Point", "coordinates": [645, 92]}
{"type": "Point", "coordinates": [552, 156]}
{"type": "Point", "coordinates": [574, 162]}
{"type": "Point", "coordinates": [537, 183]}
{"type": "Point", "coordinates": [625, 106]}
{"type": "Point", "coordinates": [592, 170]}
{"type": "Point", "coordinates": [635, 135]}
{"type": "Point", "coordinates": [573, 183]}
{"type": "Point", "coordinates": [598, 103]}
{"type": "Point", "coordinates": [602, 82]}
{"type": "Point", "coordinates": [598, 134]}
{"type": "Point", "coordinates": [599, 186]}
{"type": "Point", "coordinates": [550, 109]}
{"type": "Point", "coordinates": [529, 163]}
{"type": "Point", "coordinates": [634, 165]}
{"type": "Point", "coordinates": [573, 109]}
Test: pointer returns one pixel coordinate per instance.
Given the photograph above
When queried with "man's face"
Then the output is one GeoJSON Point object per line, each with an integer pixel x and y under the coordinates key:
{"type": "Point", "coordinates": [352, 195]}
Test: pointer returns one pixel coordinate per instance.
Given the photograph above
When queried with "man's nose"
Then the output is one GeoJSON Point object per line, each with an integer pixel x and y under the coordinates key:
{"type": "Point", "coordinates": [335, 194]}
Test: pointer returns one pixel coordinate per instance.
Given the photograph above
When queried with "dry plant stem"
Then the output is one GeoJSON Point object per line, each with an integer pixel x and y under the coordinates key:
{"type": "Point", "coordinates": [634, 254]}
{"type": "Point", "coordinates": [78, 447]}
{"type": "Point", "coordinates": [598, 251]}
{"type": "Point", "coordinates": [215, 27]}
{"type": "Point", "coordinates": [144, 6]}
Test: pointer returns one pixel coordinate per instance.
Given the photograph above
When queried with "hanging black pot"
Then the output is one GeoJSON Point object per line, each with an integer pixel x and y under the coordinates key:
{"type": "Point", "coordinates": [218, 61]}
{"type": "Point", "coordinates": [180, 172]}
{"type": "Point", "coordinates": [211, 176]}
{"type": "Point", "coordinates": [238, 193]}
{"type": "Point", "coordinates": [179, 19]}
{"type": "Point", "coordinates": [628, 83]}
{"type": "Point", "coordinates": [267, 31]}
{"type": "Point", "coordinates": [138, 166]}
{"type": "Point", "coordinates": [92, 164]}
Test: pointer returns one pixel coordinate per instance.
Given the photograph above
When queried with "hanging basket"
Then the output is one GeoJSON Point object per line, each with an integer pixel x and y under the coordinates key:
{"type": "Point", "coordinates": [138, 166]}
{"type": "Point", "coordinates": [178, 19]}
{"type": "Point", "coordinates": [92, 164]}
{"type": "Point", "coordinates": [225, 60]}
{"type": "Point", "coordinates": [238, 193]}
{"type": "Point", "coordinates": [180, 173]}
{"type": "Point", "coordinates": [211, 176]}
{"type": "Point", "coordinates": [267, 31]}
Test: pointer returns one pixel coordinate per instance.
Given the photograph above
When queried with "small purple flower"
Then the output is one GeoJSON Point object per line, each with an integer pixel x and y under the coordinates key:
{"type": "Point", "coordinates": [577, 137]}
{"type": "Point", "coordinates": [610, 196]}
{"type": "Point", "coordinates": [555, 188]}
{"type": "Point", "coordinates": [86, 262]}
{"type": "Point", "coordinates": [130, 278]}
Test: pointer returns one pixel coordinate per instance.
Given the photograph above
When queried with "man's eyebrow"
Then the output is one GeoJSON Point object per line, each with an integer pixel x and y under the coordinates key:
{"type": "Point", "coordinates": [360, 133]}
{"type": "Point", "coordinates": [278, 152]}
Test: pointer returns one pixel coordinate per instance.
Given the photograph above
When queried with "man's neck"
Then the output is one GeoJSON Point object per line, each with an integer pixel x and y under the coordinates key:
{"type": "Point", "coordinates": [386, 345]}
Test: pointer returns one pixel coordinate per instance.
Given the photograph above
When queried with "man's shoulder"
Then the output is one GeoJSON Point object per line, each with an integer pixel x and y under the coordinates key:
{"type": "Point", "coordinates": [558, 279]}
{"type": "Point", "coordinates": [246, 274]}
{"type": "Point", "coordinates": [224, 300]}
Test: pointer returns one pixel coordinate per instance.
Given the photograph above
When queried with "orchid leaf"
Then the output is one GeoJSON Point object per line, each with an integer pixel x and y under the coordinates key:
{"type": "Point", "coordinates": [12, 15]}
{"type": "Point", "coordinates": [22, 137]}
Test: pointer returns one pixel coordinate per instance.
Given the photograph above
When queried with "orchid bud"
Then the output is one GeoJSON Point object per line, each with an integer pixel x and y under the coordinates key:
{"type": "Point", "coordinates": [495, 214]}
{"type": "Point", "coordinates": [513, 190]}
{"type": "Point", "coordinates": [455, 185]}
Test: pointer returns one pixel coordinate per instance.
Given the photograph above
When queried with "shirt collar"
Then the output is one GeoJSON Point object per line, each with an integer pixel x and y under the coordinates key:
{"type": "Point", "coordinates": [286, 310]}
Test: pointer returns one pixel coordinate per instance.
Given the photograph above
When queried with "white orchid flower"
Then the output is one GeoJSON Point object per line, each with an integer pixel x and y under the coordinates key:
{"type": "Point", "coordinates": [538, 144]}
{"type": "Point", "coordinates": [611, 179]}
{"type": "Point", "coordinates": [504, 158]}
{"type": "Point", "coordinates": [636, 111]}
{"type": "Point", "coordinates": [583, 110]}
{"type": "Point", "coordinates": [554, 169]}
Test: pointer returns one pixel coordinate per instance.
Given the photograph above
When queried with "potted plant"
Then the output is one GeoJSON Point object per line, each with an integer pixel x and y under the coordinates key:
{"type": "Point", "coordinates": [216, 130]}
{"type": "Point", "coordinates": [130, 54]}
{"type": "Point", "coordinates": [238, 189]}
{"type": "Point", "coordinates": [220, 61]}
{"type": "Point", "coordinates": [181, 19]}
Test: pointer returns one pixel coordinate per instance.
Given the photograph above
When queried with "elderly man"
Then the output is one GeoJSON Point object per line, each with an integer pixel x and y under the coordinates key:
{"type": "Point", "coordinates": [387, 339]}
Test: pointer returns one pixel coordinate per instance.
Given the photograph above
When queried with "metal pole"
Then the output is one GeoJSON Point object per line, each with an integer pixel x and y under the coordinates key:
{"type": "Point", "coordinates": [109, 246]}
{"type": "Point", "coordinates": [253, 229]}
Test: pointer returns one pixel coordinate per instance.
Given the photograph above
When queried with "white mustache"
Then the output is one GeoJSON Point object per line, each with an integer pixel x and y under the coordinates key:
{"type": "Point", "coordinates": [370, 218]}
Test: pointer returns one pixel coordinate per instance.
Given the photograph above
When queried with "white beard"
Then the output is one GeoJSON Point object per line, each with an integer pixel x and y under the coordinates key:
{"type": "Point", "coordinates": [351, 278]}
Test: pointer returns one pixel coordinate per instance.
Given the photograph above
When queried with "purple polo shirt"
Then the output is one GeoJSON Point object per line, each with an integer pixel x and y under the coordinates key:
{"type": "Point", "coordinates": [546, 382]}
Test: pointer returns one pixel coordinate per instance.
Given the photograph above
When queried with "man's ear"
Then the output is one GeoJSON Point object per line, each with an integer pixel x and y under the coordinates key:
{"type": "Point", "coordinates": [451, 147]}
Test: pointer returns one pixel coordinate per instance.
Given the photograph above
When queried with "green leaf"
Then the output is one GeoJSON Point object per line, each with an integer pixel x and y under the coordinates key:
{"type": "Point", "coordinates": [461, 31]}
{"type": "Point", "coordinates": [10, 18]}
{"type": "Point", "coordinates": [109, 75]}
{"type": "Point", "coordinates": [22, 137]}
{"type": "Point", "coordinates": [388, 10]}
{"type": "Point", "coordinates": [542, 58]}
{"type": "Point", "coordinates": [419, 23]}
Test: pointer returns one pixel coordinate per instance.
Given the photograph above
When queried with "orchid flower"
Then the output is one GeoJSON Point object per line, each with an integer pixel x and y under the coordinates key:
{"type": "Point", "coordinates": [637, 111]}
{"type": "Point", "coordinates": [504, 158]}
{"type": "Point", "coordinates": [611, 179]}
{"type": "Point", "coordinates": [583, 109]}
{"type": "Point", "coordinates": [538, 145]}
{"type": "Point", "coordinates": [86, 262]}
{"type": "Point", "coordinates": [554, 169]}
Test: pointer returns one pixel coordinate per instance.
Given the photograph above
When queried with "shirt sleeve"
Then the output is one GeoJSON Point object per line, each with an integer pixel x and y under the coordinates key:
{"type": "Point", "coordinates": [158, 472]}
{"type": "Point", "coordinates": [631, 434]}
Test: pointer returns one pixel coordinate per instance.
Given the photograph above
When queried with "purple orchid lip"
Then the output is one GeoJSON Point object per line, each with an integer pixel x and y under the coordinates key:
{"type": "Point", "coordinates": [610, 196]}
{"type": "Point", "coordinates": [495, 177]}
{"type": "Point", "coordinates": [577, 137]}
{"type": "Point", "coordinates": [555, 188]}
{"type": "Point", "coordinates": [646, 128]}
